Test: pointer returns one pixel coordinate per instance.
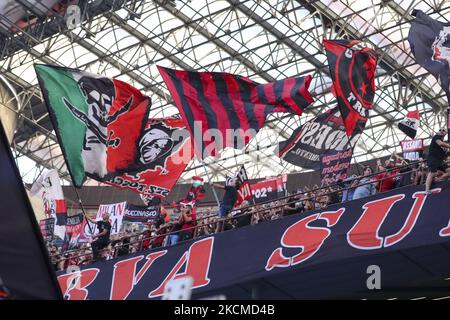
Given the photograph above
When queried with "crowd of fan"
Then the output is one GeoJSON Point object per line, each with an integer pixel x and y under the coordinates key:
{"type": "Point", "coordinates": [190, 223]}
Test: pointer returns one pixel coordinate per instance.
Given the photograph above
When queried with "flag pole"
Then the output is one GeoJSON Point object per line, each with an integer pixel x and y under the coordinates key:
{"type": "Point", "coordinates": [82, 207]}
{"type": "Point", "coordinates": [211, 184]}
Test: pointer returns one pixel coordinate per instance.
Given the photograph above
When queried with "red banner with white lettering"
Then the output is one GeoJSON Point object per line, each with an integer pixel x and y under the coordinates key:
{"type": "Point", "coordinates": [269, 189]}
{"type": "Point", "coordinates": [412, 149]}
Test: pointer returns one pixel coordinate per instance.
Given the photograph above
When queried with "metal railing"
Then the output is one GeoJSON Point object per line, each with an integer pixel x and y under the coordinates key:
{"type": "Point", "coordinates": [252, 210]}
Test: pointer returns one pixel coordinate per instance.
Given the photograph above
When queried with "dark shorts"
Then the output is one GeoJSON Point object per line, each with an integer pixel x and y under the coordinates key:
{"type": "Point", "coordinates": [436, 165]}
{"type": "Point", "coordinates": [224, 209]}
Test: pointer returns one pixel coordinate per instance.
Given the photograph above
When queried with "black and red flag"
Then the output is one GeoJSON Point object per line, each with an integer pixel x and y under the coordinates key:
{"type": "Point", "coordinates": [428, 39]}
{"type": "Point", "coordinates": [105, 133]}
{"type": "Point", "coordinates": [195, 193]}
{"type": "Point", "coordinates": [25, 269]}
{"type": "Point", "coordinates": [269, 189]}
{"type": "Point", "coordinates": [309, 142]}
{"type": "Point", "coordinates": [410, 123]}
{"type": "Point", "coordinates": [352, 68]}
{"type": "Point", "coordinates": [225, 110]}
{"type": "Point", "coordinates": [166, 150]}
{"type": "Point", "coordinates": [245, 191]}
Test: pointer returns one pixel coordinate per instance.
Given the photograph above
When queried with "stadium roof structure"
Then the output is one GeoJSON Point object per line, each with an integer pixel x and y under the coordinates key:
{"type": "Point", "coordinates": [265, 40]}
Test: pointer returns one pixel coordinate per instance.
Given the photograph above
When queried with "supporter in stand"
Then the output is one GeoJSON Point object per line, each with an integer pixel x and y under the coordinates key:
{"type": "Point", "coordinates": [309, 202]}
{"type": "Point", "coordinates": [202, 227]}
{"type": "Point", "coordinates": [405, 171]}
{"type": "Point", "coordinates": [146, 240]}
{"type": "Point", "coordinates": [322, 200]}
{"type": "Point", "coordinates": [55, 261]}
{"type": "Point", "coordinates": [258, 215]}
{"type": "Point", "coordinates": [174, 236]}
{"type": "Point", "coordinates": [276, 210]}
{"type": "Point", "coordinates": [242, 216]}
{"type": "Point", "coordinates": [296, 203]}
{"type": "Point", "coordinates": [212, 225]}
{"type": "Point", "coordinates": [188, 221]}
{"type": "Point", "coordinates": [349, 186]}
{"type": "Point", "coordinates": [293, 205]}
{"type": "Point", "coordinates": [161, 229]}
{"type": "Point", "coordinates": [364, 187]}
{"type": "Point", "coordinates": [229, 199]}
{"type": "Point", "coordinates": [334, 194]}
{"type": "Point", "coordinates": [386, 177]}
{"type": "Point", "coordinates": [419, 172]}
{"type": "Point", "coordinates": [124, 248]}
{"type": "Point", "coordinates": [228, 222]}
{"type": "Point", "coordinates": [85, 258]}
{"type": "Point", "coordinates": [437, 153]}
{"type": "Point", "coordinates": [107, 253]}
{"type": "Point", "coordinates": [202, 223]}
{"type": "Point", "coordinates": [102, 237]}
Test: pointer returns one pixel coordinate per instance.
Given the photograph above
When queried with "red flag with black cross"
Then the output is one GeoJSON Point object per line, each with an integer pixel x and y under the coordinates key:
{"type": "Point", "coordinates": [352, 68]}
{"type": "Point", "coordinates": [225, 110]}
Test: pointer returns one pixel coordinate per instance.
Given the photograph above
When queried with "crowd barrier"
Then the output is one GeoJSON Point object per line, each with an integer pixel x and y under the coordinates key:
{"type": "Point", "coordinates": [258, 208]}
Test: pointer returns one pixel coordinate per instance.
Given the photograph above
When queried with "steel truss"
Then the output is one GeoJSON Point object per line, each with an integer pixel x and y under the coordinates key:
{"type": "Point", "coordinates": [265, 40]}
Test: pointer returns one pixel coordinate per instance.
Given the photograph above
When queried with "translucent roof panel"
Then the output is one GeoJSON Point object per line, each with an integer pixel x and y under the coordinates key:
{"type": "Point", "coordinates": [265, 40]}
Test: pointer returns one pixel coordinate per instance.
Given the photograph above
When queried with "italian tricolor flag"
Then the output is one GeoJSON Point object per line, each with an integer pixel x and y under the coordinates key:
{"type": "Point", "coordinates": [98, 121]}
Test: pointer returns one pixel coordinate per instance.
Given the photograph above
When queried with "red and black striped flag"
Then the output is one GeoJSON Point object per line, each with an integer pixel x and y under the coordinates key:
{"type": "Point", "coordinates": [224, 110]}
{"type": "Point", "coordinates": [352, 69]}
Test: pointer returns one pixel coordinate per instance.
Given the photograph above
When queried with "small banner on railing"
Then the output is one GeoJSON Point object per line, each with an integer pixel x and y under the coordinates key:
{"type": "Point", "coordinates": [334, 166]}
{"type": "Point", "coordinates": [141, 214]}
{"type": "Point", "coordinates": [47, 227]}
{"type": "Point", "coordinates": [412, 149]}
{"type": "Point", "coordinates": [115, 212]}
{"type": "Point", "coordinates": [74, 230]}
{"type": "Point", "coordinates": [269, 189]}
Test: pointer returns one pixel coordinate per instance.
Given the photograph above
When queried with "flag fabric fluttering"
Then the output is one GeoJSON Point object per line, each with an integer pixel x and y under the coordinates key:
{"type": "Point", "coordinates": [48, 188]}
{"type": "Point", "coordinates": [245, 191]}
{"type": "Point", "coordinates": [322, 134]}
{"type": "Point", "coordinates": [225, 110]}
{"type": "Point", "coordinates": [26, 272]}
{"type": "Point", "coordinates": [428, 39]}
{"type": "Point", "coordinates": [352, 67]}
{"type": "Point", "coordinates": [410, 123]}
{"type": "Point", "coordinates": [195, 193]}
{"type": "Point", "coordinates": [74, 230]}
{"type": "Point", "coordinates": [104, 132]}
{"type": "Point", "coordinates": [166, 149]}
{"type": "Point", "coordinates": [99, 121]}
